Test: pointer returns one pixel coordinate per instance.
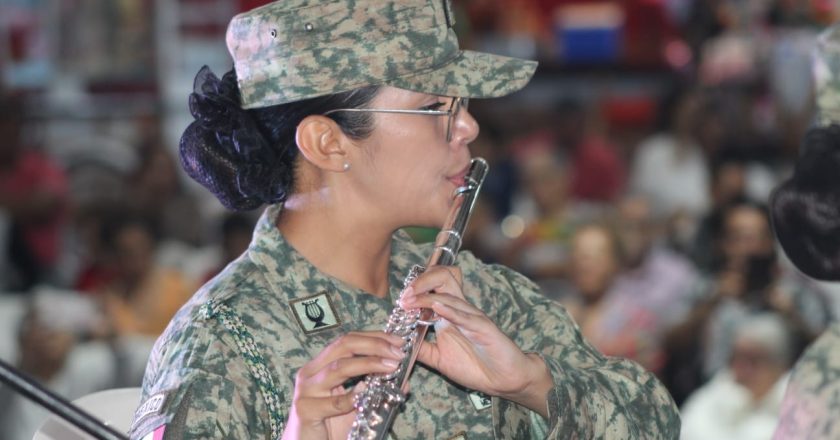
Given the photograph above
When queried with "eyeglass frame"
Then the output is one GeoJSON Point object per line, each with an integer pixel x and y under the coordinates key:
{"type": "Point", "coordinates": [458, 103]}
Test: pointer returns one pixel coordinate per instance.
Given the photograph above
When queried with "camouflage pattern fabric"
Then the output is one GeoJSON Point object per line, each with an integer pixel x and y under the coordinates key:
{"type": "Point", "coordinates": [811, 405]}
{"type": "Point", "coordinates": [296, 49]}
{"type": "Point", "coordinates": [826, 70]}
{"type": "Point", "coordinates": [206, 388]}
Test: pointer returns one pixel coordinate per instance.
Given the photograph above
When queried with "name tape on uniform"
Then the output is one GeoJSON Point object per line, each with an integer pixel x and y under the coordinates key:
{"type": "Point", "coordinates": [152, 405]}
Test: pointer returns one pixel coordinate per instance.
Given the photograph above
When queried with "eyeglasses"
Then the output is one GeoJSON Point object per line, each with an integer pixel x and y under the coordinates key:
{"type": "Point", "coordinates": [454, 109]}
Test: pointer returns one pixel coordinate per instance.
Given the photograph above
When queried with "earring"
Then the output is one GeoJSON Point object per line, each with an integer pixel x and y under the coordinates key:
{"type": "Point", "coordinates": [346, 166]}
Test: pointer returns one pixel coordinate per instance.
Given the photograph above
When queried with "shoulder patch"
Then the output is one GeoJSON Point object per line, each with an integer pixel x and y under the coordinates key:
{"type": "Point", "coordinates": [151, 406]}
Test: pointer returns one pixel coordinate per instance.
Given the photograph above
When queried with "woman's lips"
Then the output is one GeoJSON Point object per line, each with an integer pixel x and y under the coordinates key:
{"type": "Point", "coordinates": [460, 178]}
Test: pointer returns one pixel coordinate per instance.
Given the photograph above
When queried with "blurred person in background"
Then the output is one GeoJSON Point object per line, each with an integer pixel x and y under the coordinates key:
{"type": "Point", "coordinates": [485, 237]}
{"type": "Point", "coordinates": [670, 167]}
{"type": "Point", "coordinates": [158, 194]}
{"type": "Point", "coordinates": [499, 186]}
{"type": "Point", "coordinates": [598, 171]}
{"type": "Point", "coordinates": [653, 276]}
{"type": "Point", "coordinates": [141, 296]}
{"type": "Point", "coordinates": [33, 199]}
{"type": "Point", "coordinates": [55, 348]}
{"type": "Point", "coordinates": [543, 208]}
{"type": "Point", "coordinates": [615, 323]}
{"type": "Point", "coordinates": [96, 265]}
{"type": "Point", "coordinates": [728, 184]}
{"type": "Point", "coordinates": [742, 401]}
{"type": "Point", "coordinates": [747, 279]}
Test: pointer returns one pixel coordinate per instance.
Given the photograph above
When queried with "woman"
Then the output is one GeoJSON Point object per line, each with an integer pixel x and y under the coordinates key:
{"type": "Point", "coordinates": [357, 128]}
{"type": "Point", "coordinates": [805, 213]}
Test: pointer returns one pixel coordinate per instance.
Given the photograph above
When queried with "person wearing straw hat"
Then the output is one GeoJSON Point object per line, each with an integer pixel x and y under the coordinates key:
{"type": "Point", "coordinates": [349, 119]}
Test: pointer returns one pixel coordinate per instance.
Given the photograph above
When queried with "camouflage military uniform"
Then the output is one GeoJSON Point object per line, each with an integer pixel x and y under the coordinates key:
{"type": "Point", "coordinates": [812, 402]}
{"type": "Point", "coordinates": [202, 380]}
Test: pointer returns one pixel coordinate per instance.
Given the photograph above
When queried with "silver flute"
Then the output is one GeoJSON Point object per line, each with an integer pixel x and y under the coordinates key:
{"type": "Point", "coordinates": [379, 403]}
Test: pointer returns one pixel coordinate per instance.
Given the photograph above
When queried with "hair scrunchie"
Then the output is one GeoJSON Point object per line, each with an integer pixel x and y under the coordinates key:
{"type": "Point", "coordinates": [215, 106]}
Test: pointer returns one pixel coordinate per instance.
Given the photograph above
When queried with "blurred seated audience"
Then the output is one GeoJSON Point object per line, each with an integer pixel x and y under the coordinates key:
{"type": "Point", "coordinates": [55, 349]}
{"type": "Point", "coordinates": [543, 219]}
{"type": "Point", "coordinates": [670, 166]}
{"type": "Point", "coordinates": [747, 279]}
{"type": "Point", "coordinates": [615, 323]}
{"type": "Point", "coordinates": [96, 268]}
{"type": "Point", "coordinates": [33, 200]}
{"type": "Point", "coordinates": [653, 276]}
{"type": "Point", "coordinates": [158, 194]}
{"type": "Point", "coordinates": [598, 172]}
{"type": "Point", "coordinates": [728, 185]}
{"type": "Point", "coordinates": [742, 401]}
{"type": "Point", "coordinates": [142, 296]}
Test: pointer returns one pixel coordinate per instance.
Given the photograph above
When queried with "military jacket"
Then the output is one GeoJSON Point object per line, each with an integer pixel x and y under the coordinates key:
{"type": "Point", "coordinates": [225, 366]}
{"type": "Point", "coordinates": [811, 407]}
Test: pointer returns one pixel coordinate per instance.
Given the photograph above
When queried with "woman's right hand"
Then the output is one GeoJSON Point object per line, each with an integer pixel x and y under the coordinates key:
{"type": "Point", "coordinates": [322, 408]}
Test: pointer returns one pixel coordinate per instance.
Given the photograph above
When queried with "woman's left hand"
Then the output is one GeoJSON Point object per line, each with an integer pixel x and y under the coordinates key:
{"type": "Point", "coordinates": [470, 349]}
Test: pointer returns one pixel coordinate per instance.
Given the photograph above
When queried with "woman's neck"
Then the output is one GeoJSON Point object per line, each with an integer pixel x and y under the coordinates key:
{"type": "Point", "coordinates": [339, 242]}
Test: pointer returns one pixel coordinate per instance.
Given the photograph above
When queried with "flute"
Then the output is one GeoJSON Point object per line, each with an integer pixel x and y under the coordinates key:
{"type": "Point", "coordinates": [377, 406]}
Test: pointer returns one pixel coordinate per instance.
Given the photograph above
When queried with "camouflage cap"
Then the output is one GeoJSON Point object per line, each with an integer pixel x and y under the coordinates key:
{"type": "Point", "coordinates": [291, 50]}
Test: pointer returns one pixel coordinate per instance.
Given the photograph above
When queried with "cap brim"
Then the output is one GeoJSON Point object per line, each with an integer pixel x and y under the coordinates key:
{"type": "Point", "coordinates": [471, 75]}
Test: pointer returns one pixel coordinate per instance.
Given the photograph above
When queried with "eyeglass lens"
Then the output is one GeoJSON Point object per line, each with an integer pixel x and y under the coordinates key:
{"type": "Point", "coordinates": [454, 110]}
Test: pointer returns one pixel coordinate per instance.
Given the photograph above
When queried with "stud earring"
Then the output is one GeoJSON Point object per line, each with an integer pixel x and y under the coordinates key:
{"type": "Point", "coordinates": [346, 166]}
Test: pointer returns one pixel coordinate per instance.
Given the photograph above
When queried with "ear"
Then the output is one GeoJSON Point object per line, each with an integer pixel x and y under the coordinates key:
{"type": "Point", "coordinates": [322, 143]}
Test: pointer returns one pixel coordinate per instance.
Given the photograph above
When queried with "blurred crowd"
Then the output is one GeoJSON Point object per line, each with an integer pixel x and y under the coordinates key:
{"type": "Point", "coordinates": [653, 233]}
{"type": "Point", "coordinates": [96, 260]}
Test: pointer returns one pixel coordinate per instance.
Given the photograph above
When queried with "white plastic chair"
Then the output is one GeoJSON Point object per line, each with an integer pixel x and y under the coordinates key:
{"type": "Point", "coordinates": [114, 408]}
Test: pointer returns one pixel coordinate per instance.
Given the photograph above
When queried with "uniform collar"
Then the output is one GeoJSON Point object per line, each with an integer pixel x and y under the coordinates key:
{"type": "Point", "coordinates": [283, 265]}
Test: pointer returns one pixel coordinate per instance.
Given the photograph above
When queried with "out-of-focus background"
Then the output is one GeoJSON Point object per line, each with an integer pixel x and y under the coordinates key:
{"type": "Point", "coordinates": [630, 179]}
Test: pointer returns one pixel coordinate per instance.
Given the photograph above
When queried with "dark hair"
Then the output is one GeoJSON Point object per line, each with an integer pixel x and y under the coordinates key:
{"type": "Point", "coordinates": [247, 157]}
{"type": "Point", "coordinates": [805, 209]}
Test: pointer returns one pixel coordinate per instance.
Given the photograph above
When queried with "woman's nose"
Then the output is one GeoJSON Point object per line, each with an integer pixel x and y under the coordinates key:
{"type": "Point", "coordinates": [465, 128]}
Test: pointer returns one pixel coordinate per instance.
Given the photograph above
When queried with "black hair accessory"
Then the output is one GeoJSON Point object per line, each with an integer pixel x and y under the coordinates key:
{"type": "Point", "coordinates": [215, 106]}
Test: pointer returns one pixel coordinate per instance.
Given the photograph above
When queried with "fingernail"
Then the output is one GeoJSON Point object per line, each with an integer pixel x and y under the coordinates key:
{"type": "Point", "coordinates": [407, 302]}
{"type": "Point", "coordinates": [390, 363]}
{"type": "Point", "coordinates": [397, 351]}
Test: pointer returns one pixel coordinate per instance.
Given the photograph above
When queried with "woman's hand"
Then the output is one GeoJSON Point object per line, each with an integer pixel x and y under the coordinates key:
{"type": "Point", "coordinates": [322, 408]}
{"type": "Point", "coordinates": [470, 349]}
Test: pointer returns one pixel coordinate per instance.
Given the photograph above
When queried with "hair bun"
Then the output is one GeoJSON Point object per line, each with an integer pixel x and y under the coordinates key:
{"type": "Point", "coordinates": [818, 167]}
{"type": "Point", "coordinates": [206, 164]}
{"type": "Point", "coordinates": [224, 150]}
{"type": "Point", "coordinates": [807, 225]}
